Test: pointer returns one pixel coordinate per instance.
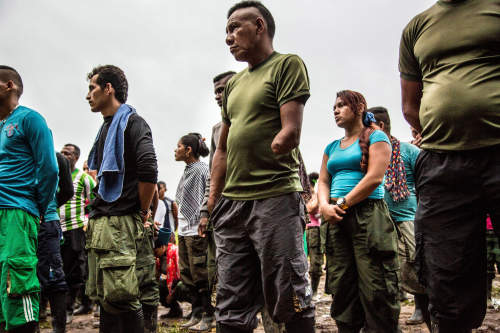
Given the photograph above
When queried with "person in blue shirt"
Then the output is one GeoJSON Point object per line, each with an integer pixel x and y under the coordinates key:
{"type": "Point", "coordinates": [401, 199]}
{"type": "Point", "coordinates": [28, 181]}
{"type": "Point", "coordinates": [361, 239]}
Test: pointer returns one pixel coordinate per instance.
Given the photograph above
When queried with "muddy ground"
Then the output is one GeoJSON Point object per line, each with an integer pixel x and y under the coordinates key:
{"type": "Point", "coordinates": [324, 322]}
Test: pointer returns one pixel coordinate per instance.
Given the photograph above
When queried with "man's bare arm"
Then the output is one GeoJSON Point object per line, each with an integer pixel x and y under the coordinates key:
{"type": "Point", "coordinates": [411, 94]}
{"type": "Point", "coordinates": [146, 193]}
{"type": "Point", "coordinates": [219, 165]}
{"type": "Point", "coordinates": [291, 125]}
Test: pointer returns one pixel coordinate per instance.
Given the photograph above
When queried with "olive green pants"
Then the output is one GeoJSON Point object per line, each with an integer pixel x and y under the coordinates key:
{"type": "Point", "coordinates": [316, 256]}
{"type": "Point", "coordinates": [121, 263]}
{"type": "Point", "coordinates": [362, 269]}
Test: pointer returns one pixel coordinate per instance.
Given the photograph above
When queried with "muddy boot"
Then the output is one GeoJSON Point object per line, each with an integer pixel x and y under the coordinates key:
{"type": "Point", "coordinates": [174, 312]}
{"type": "Point", "coordinates": [314, 286]}
{"type": "Point", "coordinates": [133, 321]}
{"type": "Point", "coordinates": [417, 318]}
{"type": "Point", "coordinates": [205, 325]}
{"type": "Point", "coordinates": [58, 311]}
{"type": "Point", "coordinates": [195, 319]}
{"type": "Point", "coordinates": [302, 325]}
{"type": "Point", "coordinates": [150, 318]}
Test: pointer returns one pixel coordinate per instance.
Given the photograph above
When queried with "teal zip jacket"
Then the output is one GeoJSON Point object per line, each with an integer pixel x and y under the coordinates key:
{"type": "Point", "coordinates": [28, 166]}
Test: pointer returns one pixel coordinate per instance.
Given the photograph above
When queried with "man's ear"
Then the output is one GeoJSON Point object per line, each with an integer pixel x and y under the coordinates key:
{"type": "Point", "coordinates": [261, 25]}
{"type": "Point", "coordinates": [108, 89]}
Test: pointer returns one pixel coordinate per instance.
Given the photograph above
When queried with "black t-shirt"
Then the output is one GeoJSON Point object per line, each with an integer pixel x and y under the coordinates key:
{"type": "Point", "coordinates": [140, 166]}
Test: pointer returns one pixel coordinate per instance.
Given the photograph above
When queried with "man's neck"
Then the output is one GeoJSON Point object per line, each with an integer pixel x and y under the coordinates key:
{"type": "Point", "coordinates": [111, 109]}
{"type": "Point", "coordinates": [260, 56]}
{"type": "Point", "coordinates": [7, 107]}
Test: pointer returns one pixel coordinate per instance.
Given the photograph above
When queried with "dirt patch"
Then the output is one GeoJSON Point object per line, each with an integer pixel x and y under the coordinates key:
{"type": "Point", "coordinates": [324, 323]}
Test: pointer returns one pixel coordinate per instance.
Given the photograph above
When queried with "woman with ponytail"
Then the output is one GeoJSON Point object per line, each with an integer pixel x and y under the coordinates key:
{"type": "Point", "coordinates": [361, 240]}
{"type": "Point", "coordinates": [192, 248]}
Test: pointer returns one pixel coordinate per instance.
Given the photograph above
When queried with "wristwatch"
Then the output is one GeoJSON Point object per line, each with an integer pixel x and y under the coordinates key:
{"type": "Point", "coordinates": [341, 203]}
{"type": "Point", "coordinates": [144, 212]}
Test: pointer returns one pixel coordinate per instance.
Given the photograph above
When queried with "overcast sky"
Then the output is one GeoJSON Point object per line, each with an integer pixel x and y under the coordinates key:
{"type": "Point", "coordinates": [171, 50]}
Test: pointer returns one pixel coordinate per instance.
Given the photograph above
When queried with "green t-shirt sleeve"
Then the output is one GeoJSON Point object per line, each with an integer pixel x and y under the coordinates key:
{"type": "Point", "coordinates": [408, 64]}
{"type": "Point", "coordinates": [292, 81]}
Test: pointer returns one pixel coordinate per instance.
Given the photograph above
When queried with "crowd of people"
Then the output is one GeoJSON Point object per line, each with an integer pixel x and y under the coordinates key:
{"type": "Point", "coordinates": [390, 217]}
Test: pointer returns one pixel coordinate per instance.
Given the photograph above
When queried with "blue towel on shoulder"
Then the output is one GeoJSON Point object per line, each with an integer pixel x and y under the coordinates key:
{"type": "Point", "coordinates": [112, 169]}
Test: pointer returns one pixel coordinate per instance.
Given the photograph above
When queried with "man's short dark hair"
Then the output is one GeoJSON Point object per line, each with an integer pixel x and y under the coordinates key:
{"type": "Point", "coordinates": [161, 182]}
{"type": "Point", "coordinates": [381, 114]}
{"type": "Point", "coordinates": [266, 14]}
{"type": "Point", "coordinates": [75, 148]}
{"type": "Point", "coordinates": [223, 75]}
{"type": "Point", "coordinates": [113, 75]}
{"type": "Point", "coordinates": [8, 73]}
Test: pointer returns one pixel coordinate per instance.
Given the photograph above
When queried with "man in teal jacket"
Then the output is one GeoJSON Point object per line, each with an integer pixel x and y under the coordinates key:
{"type": "Point", "coordinates": [28, 181]}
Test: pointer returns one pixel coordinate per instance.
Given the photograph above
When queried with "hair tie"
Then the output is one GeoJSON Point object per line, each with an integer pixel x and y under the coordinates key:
{"type": "Point", "coordinates": [369, 119]}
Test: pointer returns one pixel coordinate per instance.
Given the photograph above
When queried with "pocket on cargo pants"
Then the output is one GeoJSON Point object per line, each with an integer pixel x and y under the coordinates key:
{"type": "Point", "coordinates": [119, 281]}
{"type": "Point", "coordinates": [381, 235]}
{"type": "Point", "coordinates": [21, 276]}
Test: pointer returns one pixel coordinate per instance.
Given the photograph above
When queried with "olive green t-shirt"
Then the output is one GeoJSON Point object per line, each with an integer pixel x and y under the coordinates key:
{"type": "Point", "coordinates": [251, 107]}
{"type": "Point", "coordinates": [454, 49]}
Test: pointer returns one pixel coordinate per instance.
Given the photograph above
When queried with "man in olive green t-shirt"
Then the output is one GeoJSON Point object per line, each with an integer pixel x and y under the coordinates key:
{"type": "Point", "coordinates": [259, 220]}
{"type": "Point", "coordinates": [450, 80]}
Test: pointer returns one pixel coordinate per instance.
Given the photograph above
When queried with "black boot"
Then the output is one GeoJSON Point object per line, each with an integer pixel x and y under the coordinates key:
{"type": "Point", "coordinates": [150, 318]}
{"type": "Point", "coordinates": [302, 325]}
{"type": "Point", "coordinates": [58, 311]}
{"type": "Point", "coordinates": [174, 312]}
{"type": "Point", "coordinates": [423, 304]}
{"type": "Point", "coordinates": [133, 321]}
{"type": "Point", "coordinates": [109, 323]}
{"type": "Point", "coordinates": [86, 305]}
{"type": "Point", "coordinates": [42, 315]}
{"type": "Point", "coordinates": [314, 286]}
{"type": "Point", "coordinates": [417, 318]}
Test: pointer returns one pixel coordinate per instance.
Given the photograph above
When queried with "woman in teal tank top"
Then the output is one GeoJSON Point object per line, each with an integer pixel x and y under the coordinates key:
{"type": "Point", "coordinates": [361, 243]}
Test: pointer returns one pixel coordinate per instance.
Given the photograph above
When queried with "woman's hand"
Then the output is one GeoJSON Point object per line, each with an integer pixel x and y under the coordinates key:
{"type": "Point", "coordinates": [332, 213]}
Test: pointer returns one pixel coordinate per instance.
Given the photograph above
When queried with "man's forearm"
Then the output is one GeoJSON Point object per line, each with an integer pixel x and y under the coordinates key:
{"type": "Point", "coordinates": [286, 140]}
{"type": "Point", "coordinates": [218, 175]}
{"type": "Point", "coordinates": [146, 193]}
{"type": "Point", "coordinates": [204, 204]}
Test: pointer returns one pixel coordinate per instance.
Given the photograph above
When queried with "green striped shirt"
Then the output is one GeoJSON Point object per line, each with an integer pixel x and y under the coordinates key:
{"type": "Point", "coordinates": [73, 212]}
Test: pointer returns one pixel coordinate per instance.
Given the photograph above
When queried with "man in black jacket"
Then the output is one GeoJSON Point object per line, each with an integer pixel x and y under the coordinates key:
{"type": "Point", "coordinates": [50, 266]}
{"type": "Point", "coordinates": [120, 235]}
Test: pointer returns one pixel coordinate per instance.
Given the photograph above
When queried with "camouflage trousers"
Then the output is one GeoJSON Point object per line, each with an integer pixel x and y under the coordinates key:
{"type": "Point", "coordinates": [121, 263]}
{"type": "Point", "coordinates": [362, 269]}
